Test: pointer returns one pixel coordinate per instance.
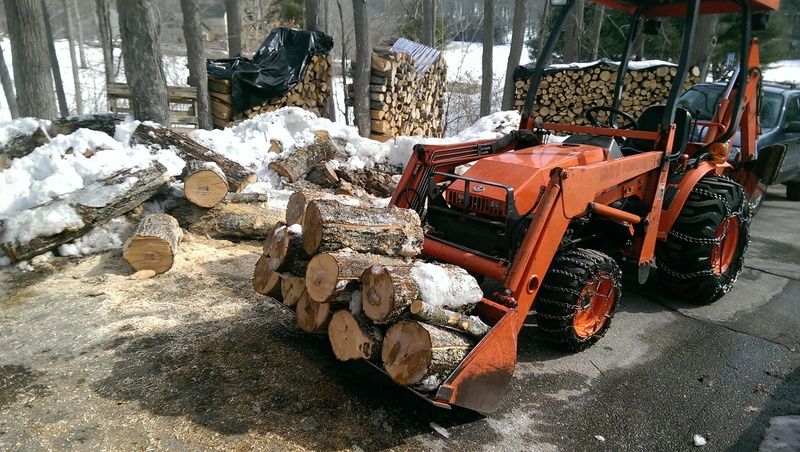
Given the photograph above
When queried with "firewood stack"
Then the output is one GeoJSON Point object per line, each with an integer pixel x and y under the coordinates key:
{"type": "Point", "coordinates": [349, 271]}
{"type": "Point", "coordinates": [312, 94]}
{"type": "Point", "coordinates": [406, 91]}
{"type": "Point", "coordinates": [565, 93]}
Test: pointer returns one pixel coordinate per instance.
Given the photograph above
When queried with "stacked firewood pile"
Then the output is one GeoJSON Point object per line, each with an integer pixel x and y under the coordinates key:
{"type": "Point", "coordinates": [312, 94]}
{"type": "Point", "coordinates": [406, 91]}
{"type": "Point", "coordinates": [565, 93]}
{"type": "Point", "coordinates": [349, 269]}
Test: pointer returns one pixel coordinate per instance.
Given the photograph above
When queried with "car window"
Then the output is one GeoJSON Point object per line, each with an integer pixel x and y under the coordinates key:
{"type": "Point", "coordinates": [792, 109]}
{"type": "Point", "coordinates": [701, 101]}
{"type": "Point", "coordinates": [770, 111]}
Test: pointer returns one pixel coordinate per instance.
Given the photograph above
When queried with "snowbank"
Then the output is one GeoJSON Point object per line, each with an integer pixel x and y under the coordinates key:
{"type": "Point", "coordinates": [783, 71]}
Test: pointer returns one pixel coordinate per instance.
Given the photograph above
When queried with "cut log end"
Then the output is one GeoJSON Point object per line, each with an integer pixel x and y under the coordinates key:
{"type": "Point", "coordinates": [312, 229]}
{"type": "Point", "coordinates": [312, 317]}
{"type": "Point", "coordinates": [377, 294]}
{"type": "Point", "coordinates": [205, 188]}
{"type": "Point", "coordinates": [406, 352]}
{"type": "Point", "coordinates": [293, 289]}
{"type": "Point", "coordinates": [322, 276]}
{"type": "Point", "coordinates": [266, 281]}
{"type": "Point", "coordinates": [348, 339]}
{"type": "Point", "coordinates": [149, 253]}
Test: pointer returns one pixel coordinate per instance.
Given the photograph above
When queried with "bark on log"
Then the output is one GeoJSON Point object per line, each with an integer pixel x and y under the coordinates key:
{"type": "Point", "coordinates": [418, 353]}
{"type": "Point", "coordinates": [266, 281]}
{"type": "Point", "coordinates": [387, 292]}
{"type": "Point", "coordinates": [153, 244]}
{"type": "Point", "coordinates": [298, 202]}
{"type": "Point", "coordinates": [329, 225]}
{"type": "Point", "coordinates": [101, 123]}
{"type": "Point", "coordinates": [374, 182]}
{"type": "Point", "coordinates": [23, 145]}
{"type": "Point", "coordinates": [238, 177]}
{"type": "Point", "coordinates": [238, 220]}
{"type": "Point", "coordinates": [328, 274]}
{"type": "Point", "coordinates": [284, 247]}
{"type": "Point", "coordinates": [353, 337]}
{"type": "Point", "coordinates": [204, 183]}
{"type": "Point", "coordinates": [292, 288]}
{"type": "Point", "coordinates": [87, 208]}
{"type": "Point", "coordinates": [303, 159]}
{"type": "Point", "coordinates": [436, 315]}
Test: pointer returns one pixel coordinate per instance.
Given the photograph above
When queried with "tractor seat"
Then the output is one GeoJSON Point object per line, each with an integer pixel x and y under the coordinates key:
{"type": "Point", "coordinates": [607, 143]}
{"type": "Point", "coordinates": [649, 121]}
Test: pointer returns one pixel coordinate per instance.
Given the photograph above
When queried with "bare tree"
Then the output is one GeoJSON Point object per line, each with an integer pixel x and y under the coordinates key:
{"type": "Point", "coordinates": [76, 76]}
{"type": "Point", "coordinates": [515, 53]}
{"type": "Point", "coordinates": [705, 40]}
{"type": "Point", "coordinates": [572, 42]}
{"type": "Point", "coordinates": [543, 25]}
{"type": "Point", "coordinates": [330, 106]}
{"type": "Point", "coordinates": [362, 68]}
{"type": "Point", "coordinates": [106, 39]}
{"type": "Point", "coordinates": [8, 87]}
{"type": "Point", "coordinates": [195, 54]}
{"type": "Point", "coordinates": [138, 27]}
{"type": "Point", "coordinates": [234, 23]}
{"type": "Point", "coordinates": [486, 68]}
{"type": "Point", "coordinates": [311, 13]}
{"type": "Point", "coordinates": [597, 27]}
{"type": "Point", "coordinates": [428, 22]}
{"type": "Point", "coordinates": [55, 68]}
{"type": "Point", "coordinates": [343, 60]}
{"type": "Point", "coordinates": [79, 25]}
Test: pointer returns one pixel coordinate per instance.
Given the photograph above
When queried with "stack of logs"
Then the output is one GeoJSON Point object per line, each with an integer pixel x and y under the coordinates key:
{"type": "Point", "coordinates": [564, 94]}
{"type": "Point", "coordinates": [349, 272]}
{"type": "Point", "coordinates": [311, 93]}
{"type": "Point", "coordinates": [403, 99]}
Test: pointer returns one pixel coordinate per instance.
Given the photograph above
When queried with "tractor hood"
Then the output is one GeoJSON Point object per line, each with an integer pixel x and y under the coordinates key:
{"type": "Point", "coordinates": [525, 171]}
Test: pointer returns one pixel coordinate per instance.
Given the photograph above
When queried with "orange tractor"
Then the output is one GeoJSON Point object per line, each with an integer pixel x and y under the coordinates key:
{"type": "Point", "coordinates": [549, 222]}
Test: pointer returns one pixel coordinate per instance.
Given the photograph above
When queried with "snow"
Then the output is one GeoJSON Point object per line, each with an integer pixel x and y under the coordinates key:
{"type": "Point", "coordinates": [12, 129]}
{"type": "Point", "coordinates": [448, 289]}
{"type": "Point", "coordinates": [355, 302]}
{"type": "Point", "coordinates": [296, 229]}
{"type": "Point", "coordinates": [699, 441]}
{"type": "Point", "coordinates": [109, 236]}
{"type": "Point", "coordinates": [783, 71]}
{"type": "Point", "coordinates": [45, 220]}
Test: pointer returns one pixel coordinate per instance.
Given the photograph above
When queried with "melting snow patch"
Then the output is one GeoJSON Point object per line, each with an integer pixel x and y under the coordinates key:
{"type": "Point", "coordinates": [699, 441]}
{"type": "Point", "coordinates": [450, 289]}
{"type": "Point", "coordinates": [18, 127]}
{"type": "Point", "coordinates": [440, 430]}
{"type": "Point", "coordinates": [600, 438]}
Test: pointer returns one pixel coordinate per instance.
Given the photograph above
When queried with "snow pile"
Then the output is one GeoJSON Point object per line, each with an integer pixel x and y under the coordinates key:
{"type": "Point", "coordinates": [109, 236]}
{"type": "Point", "coordinates": [12, 129]}
{"type": "Point", "coordinates": [448, 289]}
{"type": "Point", "coordinates": [783, 71]}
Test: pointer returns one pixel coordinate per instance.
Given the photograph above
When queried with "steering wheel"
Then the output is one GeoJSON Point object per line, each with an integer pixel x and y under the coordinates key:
{"type": "Point", "coordinates": [590, 116]}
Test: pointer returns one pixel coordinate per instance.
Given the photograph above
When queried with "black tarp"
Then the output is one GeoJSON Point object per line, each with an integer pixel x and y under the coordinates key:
{"type": "Point", "coordinates": [278, 65]}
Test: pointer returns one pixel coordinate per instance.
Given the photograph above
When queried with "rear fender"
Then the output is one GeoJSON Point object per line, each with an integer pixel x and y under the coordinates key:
{"type": "Point", "coordinates": [685, 187]}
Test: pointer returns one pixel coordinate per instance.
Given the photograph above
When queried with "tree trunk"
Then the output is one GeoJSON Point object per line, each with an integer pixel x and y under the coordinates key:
{"type": "Point", "coordinates": [515, 53]}
{"type": "Point", "coordinates": [85, 209]}
{"type": "Point", "coordinates": [311, 12]}
{"type": "Point", "coordinates": [439, 316]}
{"type": "Point", "coordinates": [8, 87]}
{"type": "Point", "coordinates": [428, 22]}
{"type": "Point", "coordinates": [292, 289]}
{"type": "Point", "coordinates": [543, 26]}
{"type": "Point", "coordinates": [154, 243]}
{"type": "Point", "coordinates": [195, 55]}
{"type": "Point", "coordinates": [303, 159]}
{"type": "Point", "coordinates": [73, 58]}
{"type": "Point", "coordinates": [330, 226]}
{"type": "Point", "coordinates": [141, 47]}
{"type": "Point", "coordinates": [415, 352]}
{"type": "Point", "coordinates": [486, 59]}
{"type": "Point", "coordinates": [79, 28]}
{"type": "Point", "coordinates": [343, 60]}
{"type": "Point", "coordinates": [29, 30]}
{"type": "Point", "coordinates": [597, 28]}
{"type": "Point", "coordinates": [574, 30]}
{"type": "Point", "coordinates": [361, 71]}
{"type": "Point", "coordinates": [204, 183]}
{"type": "Point", "coordinates": [705, 39]}
{"type": "Point", "coordinates": [353, 337]}
{"type": "Point", "coordinates": [234, 27]}
{"type": "Point", "coordinates": [251, 220]}
{"type": "Point", "coordinates": [329, 274]}
{"type": "Point", "coordinates": [238, 177]}
{"type": "Point", "coordinates": [104, 34]}
{"type": "Point", "coordinates": [266, 281]}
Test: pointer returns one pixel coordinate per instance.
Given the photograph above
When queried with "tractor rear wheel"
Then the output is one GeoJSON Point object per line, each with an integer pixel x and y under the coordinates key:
{"type": "Point", "coordinates": [793, 191]}
{"type": "Point", "coordinates": [704, 252]}
{"type": "Point", "coordinates": [578, 298]}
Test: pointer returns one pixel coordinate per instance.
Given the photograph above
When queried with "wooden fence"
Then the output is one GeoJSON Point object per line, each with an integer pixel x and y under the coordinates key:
{"type": "Point", "coordinates": [182, 104]}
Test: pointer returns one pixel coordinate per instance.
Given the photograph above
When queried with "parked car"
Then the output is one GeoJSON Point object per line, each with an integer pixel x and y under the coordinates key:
{"type": "Point", "coordinates": [779, 115]}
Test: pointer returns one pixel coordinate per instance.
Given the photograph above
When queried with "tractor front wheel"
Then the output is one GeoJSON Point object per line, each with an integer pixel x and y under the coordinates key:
{"type": "Point", "coordinates": [578, 298]}
{"type": "Point", "coordinates": [704, 251]}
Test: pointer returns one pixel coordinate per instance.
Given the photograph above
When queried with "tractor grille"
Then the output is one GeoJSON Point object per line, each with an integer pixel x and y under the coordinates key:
{"type": "Point", "coordinates": [484, 206]}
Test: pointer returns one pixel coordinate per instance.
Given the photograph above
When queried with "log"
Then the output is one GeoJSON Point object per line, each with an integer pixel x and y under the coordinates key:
{"type": "Point", "coordinates": [303, 159]}
{"type": "Point", "coordinates": [436, 315]}
{"type": "Point", "coordinates": [374, 182]}
{"type": "Point", "coordinates": [21, 236]}
{"type": "Point", "coordinates": [238, 177]}
{"type": "Point", "coordinates": [387, 292]}
{"type": "Point", "coordinates": [392, 231]}
{"type": "Point", "coordinates": [298, 201]}
{"type": "Point", "coordinates": [204, 183]}
{"type": "Point", "coordinates": [417, 353]}
{"type": "Point", "coordinates": [284, 246]}
{"type": "Point", "coordinates": [353, 337]}
{"type": "Point", "coordinates": [252, 220]}
{"type": "Point", "coordinates": [153, 244]}
{"type": "Point", "coordinates": [314, 317]}
{"type": "Point", "coordinates": [24, 144]}
{"type": "Point", "coordinates": [292, 288]}
{"type": "Point", "coordinates": [328, 274]}
{"type": "Point", "coordinates": [266, 281]}
{"type": "Point", "coordinates": [102, 123]}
